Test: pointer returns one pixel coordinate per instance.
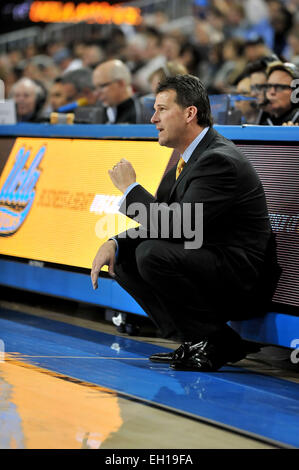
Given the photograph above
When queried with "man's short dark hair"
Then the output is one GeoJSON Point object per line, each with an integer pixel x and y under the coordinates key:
{"type": "Point", "coordinates": [260, 65]}
{"type": "Point", "coordinates": [190, 91]}
{"type": "Point", "coordinates": [80, 78]}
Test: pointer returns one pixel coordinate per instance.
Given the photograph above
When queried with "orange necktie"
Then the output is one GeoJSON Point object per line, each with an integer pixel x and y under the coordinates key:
{"type": "Point", "coordinates": [179, 168]}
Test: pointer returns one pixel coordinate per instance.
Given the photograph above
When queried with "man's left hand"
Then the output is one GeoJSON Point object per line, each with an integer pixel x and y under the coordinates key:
{"type": "Point", "coordinates": [122, 175]}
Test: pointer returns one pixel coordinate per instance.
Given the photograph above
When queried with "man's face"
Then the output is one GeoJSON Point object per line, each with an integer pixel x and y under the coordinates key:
{"type": "Point", "coordinates": [57, 96]}
{"type": "Point", "coordinates": [25, 98]}
{"type": "Point", "coordinates": [257, 82]}
{"type": "Point", "coordinates": [70, 93]}
{"type": "Point", "coordinates": [243, 88]}
{"type": "Point", "coordinates": [279, 94]}
{"type": "Point", "coordinates": [108, 91]}
{"type": "Point", "coordinates": [169, 118]}
{"type": "Point", "coordinates": [293, 41]}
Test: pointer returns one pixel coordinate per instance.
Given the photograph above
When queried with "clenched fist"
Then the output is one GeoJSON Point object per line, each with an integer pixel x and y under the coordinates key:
{"type": "Point", "coordinates": [122, 175]}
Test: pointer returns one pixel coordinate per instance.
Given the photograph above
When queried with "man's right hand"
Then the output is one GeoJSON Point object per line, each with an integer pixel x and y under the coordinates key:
{"type": "Point", "coordinates": [104, 256]}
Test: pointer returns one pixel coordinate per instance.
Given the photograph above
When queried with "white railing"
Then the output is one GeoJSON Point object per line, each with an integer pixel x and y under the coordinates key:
{"type": "Point", "coordinates": [20, 38]}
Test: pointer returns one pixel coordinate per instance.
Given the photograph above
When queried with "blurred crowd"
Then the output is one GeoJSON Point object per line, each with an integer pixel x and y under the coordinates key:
{"type": "Point", "coordinates": [247, 49]}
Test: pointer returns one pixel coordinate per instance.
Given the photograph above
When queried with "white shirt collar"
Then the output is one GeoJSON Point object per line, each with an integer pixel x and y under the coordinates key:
{"type": "Point", "coordinates": [111, 114]}
{"type": "Point", "coordinates": [190, 149]}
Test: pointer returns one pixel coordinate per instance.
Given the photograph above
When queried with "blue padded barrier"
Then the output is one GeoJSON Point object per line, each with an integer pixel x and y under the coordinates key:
{"type": "Point", "coordinates": [143, 131]}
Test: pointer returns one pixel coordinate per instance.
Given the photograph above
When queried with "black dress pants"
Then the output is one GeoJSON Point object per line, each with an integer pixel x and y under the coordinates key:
{"type": "Point", "coordinates": [179, 289]}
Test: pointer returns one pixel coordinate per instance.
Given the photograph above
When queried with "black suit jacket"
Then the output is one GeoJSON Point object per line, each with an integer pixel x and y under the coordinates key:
{"type": "Point", "coordinates": [131, 111]}
{"type": "Point", "coordinates": [236, 223]}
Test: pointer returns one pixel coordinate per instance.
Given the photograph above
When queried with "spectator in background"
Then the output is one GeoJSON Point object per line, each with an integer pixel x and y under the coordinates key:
{"type": "Point", "coordinates": [170, 69]}
{"type": "Point", "coordinates": [236, 22]}
{"type": "Point", "coordinates": [41, 68]}
{"type": "Point", "coordinates": [281, 21]}
{"type": "Point", "coordinates": [257, 72]}
{"type": "Point", "coordinates": [15, 57]}
{"type": "Point", "coordinates": [30, 98]}
{"type": "Point", "coordinates": [233, 65]}
{"type": "Point", "coordinates": [54, 46]}
{"type": "Point", "coordinates": [171, 46]}
{"type": "Point", "coordinates": [283, 100]}
{"type": "Point", "coordinates": [78, 49]}
{"type": "Point", "coordinates": [210, 66]}
{"type": "Point", "coordinates": [153, 57]}
{"type": "Point", "coordinates": [134, 52]}
{"type": "Point", "coordinates": [293, 7]}
{"type": "Point", "coordinates": [158, 18]}
{"type": "Point", "coordinates": [31, 51]}
{"type": "Point", "coordinates": [216, 21]}
{"type": "Point", "coordinates": [191, 57]}
{"type": "Point", "coordinates": [78, 84]}
{"type": "Point", "coordinates": [92, 56]}
{"type": "Point", "coordinates": [57, 96]}
{"type": "Point", "coordinates": [293, 41]}
{"type": "Point", "coordinates": [254, 49]}
{"type": "Point", "coordinates": [114, 43]}
{"type": "Point", "coordinates": [112, 82]}
{"type": "Point", "coordinates": [256, 10]}
{"type": "Point", "coordinates": [245, 19]}
{"type": "Point", "coordinates": [7, 74]}
{"type": "Point", "coordinates": [247, 107]}
{"type": "Point", "coordinates": [64, 59]}
{"type": "Point", "coordinates": [203, 33]}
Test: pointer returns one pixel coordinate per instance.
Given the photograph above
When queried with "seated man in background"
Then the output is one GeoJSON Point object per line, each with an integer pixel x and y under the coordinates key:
{"type": "Point", "coordinates": [113, 88]}
{"type": "Point", "coordinates": [81, 100]}
{"type": "Point", "coordinates": [57, 96]}
{"type": "Point", "coordinates": [30, 98]}
{"type": "Point", "coordinates": [77, 84]}
{"type": "Point", "coordinates": [169, 69]}
{"type": "Point", "coordinates": [244, 101]}
{"type": "Point", "coordinates": [271, 85]}
{"type": "Point", "coordinates": [282, 94]}
{"type": "Point", "coordinates": [257, 71]}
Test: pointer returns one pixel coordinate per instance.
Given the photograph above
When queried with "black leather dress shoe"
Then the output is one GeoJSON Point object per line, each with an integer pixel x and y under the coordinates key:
{"type": "Point", "coordinates": [208, 356]}
{"type": "Point", "coordinates": [167, 357]}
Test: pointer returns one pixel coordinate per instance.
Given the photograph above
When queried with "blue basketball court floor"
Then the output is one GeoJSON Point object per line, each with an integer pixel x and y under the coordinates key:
{"type": "Point", "coordinates": [69, 382]}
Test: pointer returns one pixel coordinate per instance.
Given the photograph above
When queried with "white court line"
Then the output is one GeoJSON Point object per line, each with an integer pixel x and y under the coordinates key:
{"type": "Point", "coordinates": [78, 357]}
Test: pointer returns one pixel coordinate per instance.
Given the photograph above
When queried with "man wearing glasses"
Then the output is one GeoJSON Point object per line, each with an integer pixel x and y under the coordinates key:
{"type": "Point", "coordinates": [281, 95]}
{"type": "Point", "coordinates": [113, 88]}
{"type": "Point", "coordinates": [257, 71]}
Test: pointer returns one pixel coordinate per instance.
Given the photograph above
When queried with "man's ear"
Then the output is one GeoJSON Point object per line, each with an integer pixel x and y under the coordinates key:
{"type": "Point", "coordinates": [121, 82]}
{"type": "Point", "coordinates": [191, 113]}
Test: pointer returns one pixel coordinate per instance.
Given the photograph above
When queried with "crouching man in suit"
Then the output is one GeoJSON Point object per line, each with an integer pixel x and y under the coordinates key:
{"type": "Point", "coordinates": [191, 290]}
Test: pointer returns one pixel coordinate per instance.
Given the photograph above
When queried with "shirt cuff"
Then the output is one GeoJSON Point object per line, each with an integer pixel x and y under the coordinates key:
{"type": "Point", "coordinates": [117, 247]}
{"type": "Point", "coordinates": [129, 188]}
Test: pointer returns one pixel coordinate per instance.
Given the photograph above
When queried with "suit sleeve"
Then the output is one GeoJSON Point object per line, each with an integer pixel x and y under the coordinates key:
{"type": "Point", "coordinates": [204, 194]}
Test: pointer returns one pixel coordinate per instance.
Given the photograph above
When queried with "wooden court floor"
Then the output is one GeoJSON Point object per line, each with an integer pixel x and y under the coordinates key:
{"type": "Point", "coordinates": [45, 408]}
